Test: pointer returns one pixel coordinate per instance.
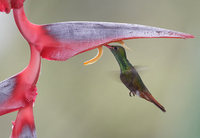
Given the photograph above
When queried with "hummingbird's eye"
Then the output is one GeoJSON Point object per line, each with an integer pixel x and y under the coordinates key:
{"type": "Point", "coordinates": [115, 48]}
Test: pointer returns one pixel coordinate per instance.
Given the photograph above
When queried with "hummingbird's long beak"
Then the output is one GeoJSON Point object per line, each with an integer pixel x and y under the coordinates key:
{"type": "Point", "coordinates": [108, 46]}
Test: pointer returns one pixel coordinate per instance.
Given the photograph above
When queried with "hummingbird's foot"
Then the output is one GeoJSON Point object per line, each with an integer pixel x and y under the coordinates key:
{"type": "Point", "coordinates": [96, 58]}
{"type": "Point", "coordinates": [131, 93]}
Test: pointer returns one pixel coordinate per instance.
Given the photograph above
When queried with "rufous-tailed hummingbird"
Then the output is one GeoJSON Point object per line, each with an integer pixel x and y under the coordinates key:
{"type": "Point", "coordinates": [130, 77]}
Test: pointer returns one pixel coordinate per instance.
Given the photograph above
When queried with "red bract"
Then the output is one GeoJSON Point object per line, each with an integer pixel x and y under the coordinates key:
{"type": "Point", "coordinates": [24, 126]}
{"type": "Point", "coordinates": [7, 5]}
{"type": "Point", "coordinates": [15, 4]}
{"type": "Point", "coordinates": [61, 41]}
{"type": "Point", "coordinates": [20, 90]}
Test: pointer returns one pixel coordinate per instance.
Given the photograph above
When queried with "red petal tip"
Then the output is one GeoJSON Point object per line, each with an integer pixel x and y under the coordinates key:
{"type": "Point", "coordinates": [189, 36]}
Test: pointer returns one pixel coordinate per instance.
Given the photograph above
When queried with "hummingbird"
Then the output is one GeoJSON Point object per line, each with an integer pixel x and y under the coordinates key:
{"type": "Point", "coordinates": [130, 77]}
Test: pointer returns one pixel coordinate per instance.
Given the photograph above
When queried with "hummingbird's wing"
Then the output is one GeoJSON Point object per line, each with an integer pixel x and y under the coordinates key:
{"type": "Point", "coordinates": [127, 78]}
{"type": "Point", "coordinates": [114, 74]}
{"type": "Point", "coordinates": [141, 68]}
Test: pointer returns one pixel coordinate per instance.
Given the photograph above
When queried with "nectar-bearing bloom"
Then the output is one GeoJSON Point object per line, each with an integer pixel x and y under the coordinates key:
{"type": "Point", "coordinates": [61, 41]}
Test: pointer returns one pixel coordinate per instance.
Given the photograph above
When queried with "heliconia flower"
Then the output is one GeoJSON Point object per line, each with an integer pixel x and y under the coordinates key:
{"type": "Point", "coordinates": [61, 41]}
{"type": "Point", "coordinates": [20, 90]}
{"type": "Point", "coordinates": [24, 126]}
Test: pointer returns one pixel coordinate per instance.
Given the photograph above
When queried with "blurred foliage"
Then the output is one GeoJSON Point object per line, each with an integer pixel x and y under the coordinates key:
{"type": "Point", "coordinates": [79, 101]}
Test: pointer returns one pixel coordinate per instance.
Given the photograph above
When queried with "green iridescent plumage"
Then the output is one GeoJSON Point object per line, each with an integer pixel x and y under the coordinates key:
{"type": "Point", "coordinates": [130, 77]}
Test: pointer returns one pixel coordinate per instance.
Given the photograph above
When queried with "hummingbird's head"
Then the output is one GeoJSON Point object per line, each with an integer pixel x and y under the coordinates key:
{"type": "Point", "coordinates": [118, 51]}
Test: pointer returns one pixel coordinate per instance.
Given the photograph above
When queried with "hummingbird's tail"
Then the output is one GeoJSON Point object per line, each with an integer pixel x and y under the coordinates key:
{"type": "Point", "coordinates": [149, 97]}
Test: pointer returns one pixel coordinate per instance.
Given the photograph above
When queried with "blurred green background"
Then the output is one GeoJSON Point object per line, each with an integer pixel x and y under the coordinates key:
{"type": "Point", "coordinates": [77, 101]}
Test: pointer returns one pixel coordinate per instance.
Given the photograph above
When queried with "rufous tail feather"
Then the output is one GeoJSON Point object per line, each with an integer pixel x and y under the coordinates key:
{"type": "Point", "coordinates": [150, 98]}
